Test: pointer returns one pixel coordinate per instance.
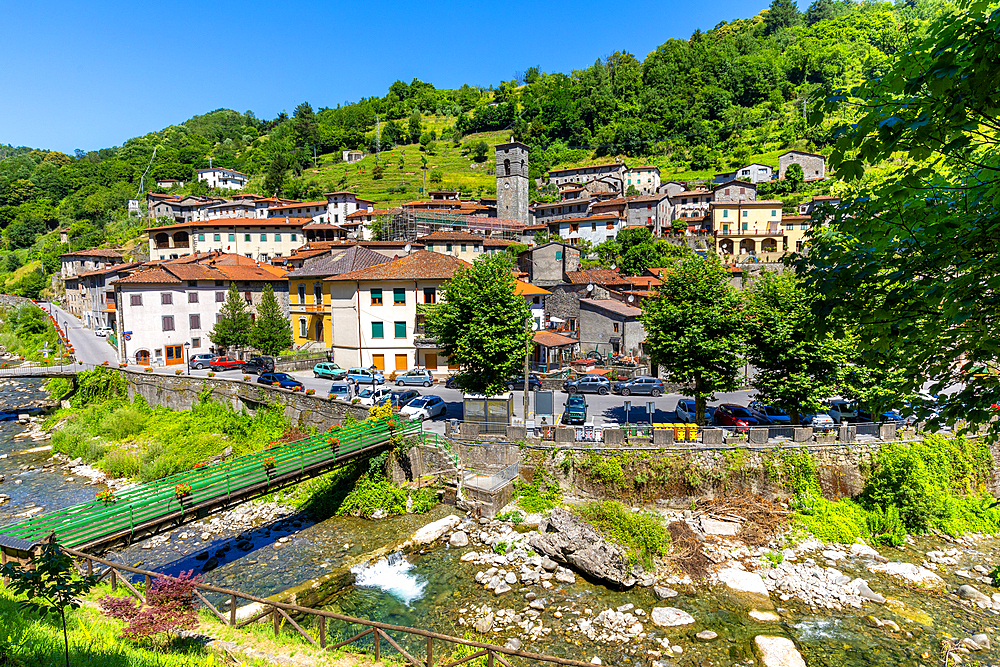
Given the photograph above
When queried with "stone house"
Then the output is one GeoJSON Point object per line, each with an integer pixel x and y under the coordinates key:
{"type": "Point", "coordinates": [754, 173]}
{"type": "Point", "coordinates": [548, 264]}
{"type": "Point", "coordinates": [544, 213]}
{"type": "Point", "coordinates": [735, 190]}
{"type": "Point", "coordinates": [813, 164]}
{"type": "Point", "coordinates": [607, 325]}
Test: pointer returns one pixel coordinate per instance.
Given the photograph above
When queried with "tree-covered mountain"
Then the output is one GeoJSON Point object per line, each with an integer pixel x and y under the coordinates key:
{"type": "Point", "coordinates": [709, 102]}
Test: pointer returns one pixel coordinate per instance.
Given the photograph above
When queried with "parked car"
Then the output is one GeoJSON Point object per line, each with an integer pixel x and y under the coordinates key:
{"type": "Point", "coordinates": [588, 384]}
{"type": "Point", "coordinates": [739, 416]}
{"type": "Point", "coordinates": [258, 365]}
{"type": "Point", "coordinates": [373, 395]}
{"type": "Point", "coordinates": [819, 420]}
{"type": "Point", "coordinates": [284, 380]}
{"type": "Point", "coordinates": [686, 411]}
{"type": "Point", "coordinates": [365, 376]}
{"type": "Point", "coordinates": [200, 361]}
{"type": "Point", "coordinates": [842, 411]}
{"type": "Point", "coordinates": [328, 369]}
{"type": "Point", "coordinates": [452, 382]}
{"type": "Point", "coordinates": [400, 398]}
{"type": "Point", "coordinates": [777, 416]}
{"type": "Point", "coordinates": [340, 391]}
{"type": "Point", "coordinates": [575, 410]}
{"type": "Point", "coordinates": [224, 363]}
{"type": "Point", "coordinates": [426, 407]}
{"type": "Point", "coordinates": [103, 331]}
{"type": "Point", "coordinates": [418, 376]}
{"type": "Point", "coordinates": [640, 385]}
{"type": "Point", "coordinates": [534, 383]}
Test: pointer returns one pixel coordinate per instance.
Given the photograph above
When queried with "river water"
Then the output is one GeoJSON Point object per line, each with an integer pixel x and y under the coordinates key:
{"type": "Point", "coordinates": [433, 589]}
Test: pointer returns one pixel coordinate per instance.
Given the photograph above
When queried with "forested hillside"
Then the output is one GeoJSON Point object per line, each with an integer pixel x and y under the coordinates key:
{"type": "Point", "coordinates": [723, 97]}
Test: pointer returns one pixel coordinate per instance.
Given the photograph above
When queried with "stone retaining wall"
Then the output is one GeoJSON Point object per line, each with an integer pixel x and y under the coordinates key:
{"type": "Point", "coordinates": [180, 392]}
{"type": "Point", "coordinates": [10, 300]}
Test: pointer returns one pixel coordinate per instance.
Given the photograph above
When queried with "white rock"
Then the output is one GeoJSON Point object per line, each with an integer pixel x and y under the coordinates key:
{"type": "Point", "coordinates": [435, 530]}
{"type": "Point", "coordinates": [778, 652]}
{"type": "Point", "coordinates": [459, 539]}
{"type": "Point", "coordinates": [502, 588]}
{"type": "Point", "coordinates": [707, 635]}
{"type": "Point", "coordinates": [908, 573]}
{"type": "Point", "coordinates": [596, 661]}
{"type": "Point", "coordinates": [565, 577]}
{"type": "Point", "coordinates": [668, 617]}
{"type": "Point", "coordinates": [472, 555]}
{"type": "Point", "coordinates": [743, 583]}
{"type": "Point", "coordinates": [764, 616]}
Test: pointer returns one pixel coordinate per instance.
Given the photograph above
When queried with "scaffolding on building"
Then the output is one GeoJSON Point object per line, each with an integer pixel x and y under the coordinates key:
{"type": "Point", "coordinates": [408, 224]}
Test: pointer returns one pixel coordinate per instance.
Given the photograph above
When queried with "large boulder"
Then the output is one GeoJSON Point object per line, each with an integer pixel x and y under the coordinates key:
{"type": "Point", "coordinates": [669, 617]}
{"type": "Point", "coordinates": [746, 588]}
{"type": "Point", "coordinates": [909, 574]}
{"type": "Point", "coordinates": [565, 538]}
{"type": "Point", "coordinates": [778, 652]}
{"type": "Point", "coordinates": [434, 530]}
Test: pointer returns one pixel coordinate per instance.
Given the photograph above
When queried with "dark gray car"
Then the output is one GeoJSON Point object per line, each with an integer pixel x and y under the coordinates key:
{"type": "Point", "coordinates": [588, 384]}
{"type": "Point", "coordinates": [646, 386]}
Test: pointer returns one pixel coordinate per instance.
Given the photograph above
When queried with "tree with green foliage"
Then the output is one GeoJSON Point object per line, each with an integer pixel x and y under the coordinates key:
{"type": "Point", "coordinates": [481, 324]}
{"type": "Point", "coordinates": [274, 179]}
{"type": "Point", "coordinates": [911, 252]}
{"type": "Point", "coordinates": [233, 328]}
{"type": "Point", "coordinates": [631, 191]}
{"type": "Point", "coordinates": [695, 330]}
{"type": "Point", "coordinates": [480, 149]}
{"type": "Point", "coordinates": [271, 332]}
{"type": "Point", "coordinates": [781, 14]}
{"type": "Point", "coordinates": [794, 178]}
{"type": "Point", "coordinates": [305, 125]}
{"type": "Point", "coordinates": [634, 250]}
{"type": "Point", "coordinates": [797, 366]}
{"type": "Point", "coordinates": [51, 583]}
{"type": "Point", "coordinates": [819, 10]}
{"type": "Point", "coordinates": [415, 127]}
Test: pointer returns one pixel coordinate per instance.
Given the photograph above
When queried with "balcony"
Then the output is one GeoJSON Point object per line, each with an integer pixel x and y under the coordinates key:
{"type": "Point", "coordinates": [755, 232]}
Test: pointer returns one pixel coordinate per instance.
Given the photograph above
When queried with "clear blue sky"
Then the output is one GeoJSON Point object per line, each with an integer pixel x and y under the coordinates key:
{"type": "Point", "coordinates": [93, 74]}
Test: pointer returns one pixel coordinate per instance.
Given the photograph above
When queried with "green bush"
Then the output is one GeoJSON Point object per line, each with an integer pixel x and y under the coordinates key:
{"type": "Point", "coordinates": [842, 521]}
{"type": "Point", "coordinates": [604, 469]}
{"type": "Point", "coordinates": [424, 500]}
{"type": "Point", "coordinates": [642, 535]}
{"type": "Point", "coordinates": [532, 498]}
{"type": "Point", "coordinates": [372, 493]}
{"type": "Point", "coordinates": [885, 526]}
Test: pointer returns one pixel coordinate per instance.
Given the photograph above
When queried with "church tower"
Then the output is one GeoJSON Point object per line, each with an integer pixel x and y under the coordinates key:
{"type": "Point", "coordinates": [512, 182]}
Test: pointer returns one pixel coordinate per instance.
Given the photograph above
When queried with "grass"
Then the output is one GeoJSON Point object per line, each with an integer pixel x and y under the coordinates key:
{"type": "Point", "coordinates": [26, 330]}
{"type": "Point", "coordinates": [643, 535]}
{"type": "Point", "coordinates": [134, 440]}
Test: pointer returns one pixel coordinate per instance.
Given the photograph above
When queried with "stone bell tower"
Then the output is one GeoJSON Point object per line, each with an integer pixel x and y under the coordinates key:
{"type": "Point", "coordinates": [512, 182]}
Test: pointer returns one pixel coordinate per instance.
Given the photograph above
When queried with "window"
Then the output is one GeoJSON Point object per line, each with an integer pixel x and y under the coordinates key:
{"type": "Point", "coordinates": [789, 226]}
{"type": "Point", "coordinates": [218, 317]}
{"type": "Point", "coordinates": [725, 229]}
{"type": "Point", "coordinates": [246, 297]}
{"type": "Point", "coordinates": [464, 248]}
{"type": "Point", "coordinates": [168, 322]}
{"type": "Point", "coordinates": [232, 237]}
{"type": "Point", "coordinates": [475, 248]}
{"type": "Point", "coordinates": [399, 296]}
{"type": "Point", "coordinates": [377, 330]}
{"type": "Point", "coordinates": [135, 299]}
{"type": "Point", "coordinates": [246, 237]}
{"type": "Point", "coordinates": [774, 213]}
{"type": "Point", "coordinates": [295, 237]}
{"type": "Point", "coordinates": [725, 213]}
{"type": "Point", "coordinates": [263, 237]}
{"type": "Point", "coordinates": [195, 343]}
{"type": "Point", "coordinates": [593, 226]}
{"type": "Point", "coordinates": [574, 227]}
{"type": "Point", "coordinates": [376, 296]}
{"type": "Point", "coordinates": [746, 225]}
{"type": "Point", "coordinates": [318, 293]}
{"type": "Point", "coordinates": [220, 297]}
{"type": "Point", "coordinates": [302, 327]}
{"type": "Point", "coordinates": [194, 321]}
{"type": "Point", "coordinates": [277, 237]}
{"type": "Point", "coordinates": [220, 283]}
{"type": "Point", "coordinates": [616, 327]}
{"type": "Point", "coordinates": [430, 295]}
{"type": "Point", "coordinates": [166, 298]}
{"type": "Point", "coordinates": [302, 293]}
{"type": "Point", "coordinates": [536, 300]}
{"type": "Point", "coordinates": [430, 247]}
{"type": "Point", "coordinates": [192, 297]}
{"type": "Point", "coordinates": [400, 329]}
{"type": "Point", "coordinates": [447, 247]}
{"type": "Point", "coordinates": [216, 237]}
{"type": "Point", "coordinates": [201, 237]}
{"type": "Point", "coordinates": [746, 213]}
{"type": "Point", "coordinates": [804, 226]}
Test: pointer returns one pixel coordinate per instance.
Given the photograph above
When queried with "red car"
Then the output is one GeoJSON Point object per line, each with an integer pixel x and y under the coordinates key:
{"type": "Point", "coordinates": [224, 363]}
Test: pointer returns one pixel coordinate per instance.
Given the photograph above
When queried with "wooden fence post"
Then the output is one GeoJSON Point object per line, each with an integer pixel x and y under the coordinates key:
{"type": "Point", "coordinates": [114, 580]}
{"type": "Point", "coordinates": [430, 652]}
{"type": "Point", "coordinates": [378, 645]}
{"type": "Point", "coordinates": [148, 583]}
{"type": "Point", "coordinates": [275, 615]}
{"type": "Point", "coordinates": [322, 632]}
{"type": "Point", "coordinates": [232, 610]}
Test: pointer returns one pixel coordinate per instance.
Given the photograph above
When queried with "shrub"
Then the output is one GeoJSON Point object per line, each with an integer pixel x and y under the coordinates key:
{"type": "Point", "coordinates": [246, 378]}
{"type": "Point", "coordinates": [178, 372]}
{"type": "Point", "coordinates": [107, 496]}
{"type": "Point", "coordinates": [424, 500]}
{"type": "Point", "coordinates": [121, 463]}
{"type": "Point", "coordinates": [310, 392]}
{"type": "Point", "coordinates": [170, 608]}
{"type": "Point", "coordinates": [642, 535]}
{"type": "Point", "coordinates": [371, 493]}
{"type": "Point", "coordinates": [532, 498]}
{"type": "Point", "coordinates": [211, 374]}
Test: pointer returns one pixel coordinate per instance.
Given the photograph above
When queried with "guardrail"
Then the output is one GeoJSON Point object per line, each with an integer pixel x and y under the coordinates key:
{"type": "Point", "coordinates": [281, 613]}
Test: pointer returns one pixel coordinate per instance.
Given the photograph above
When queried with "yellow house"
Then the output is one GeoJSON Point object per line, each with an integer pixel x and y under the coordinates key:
{"type": "Point", "coordinates": [309, 293]}
{"type": "Point", "coordinates": [749, 228]}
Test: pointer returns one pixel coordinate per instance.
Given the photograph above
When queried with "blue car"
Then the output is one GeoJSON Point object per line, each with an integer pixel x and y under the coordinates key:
{"type": "Point", "coordinates": [686, 411]}
{"type": "Point", "coordinates": [284, 380]}
{"type": "Point", "coordinates": [365, 376]}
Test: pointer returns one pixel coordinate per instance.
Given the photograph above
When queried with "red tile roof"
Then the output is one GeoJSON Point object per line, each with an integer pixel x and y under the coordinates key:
{"type": "Point", "coordinates": [613, 306]}
{"type": "Point", "coordinates": [552, 339]}
{"type": "Point", "coordinates": [322, 202]}
{"type": "Point", "coordinates": [598, 276]}
{"type": "Point", "coordinates": [588, 166]}
{"type": "Point", "coordinates": [235, 222]}
{"type": "Point", "coordinates": [114, 268]}
{"type": "Point", "coordinates": [361, 212]}
{"type": "Point", "coordinates": [156, 276]}
{"type": "Point", "coordinates": [94, 252]}
{"type": "Point", "coordinates": [421, 265]}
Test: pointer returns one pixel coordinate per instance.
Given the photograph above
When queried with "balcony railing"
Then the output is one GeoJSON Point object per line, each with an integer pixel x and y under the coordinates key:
{"type": "Point", "coordinates": [743, 232]}
{"type": "Point", "coordinates": [309, 307]}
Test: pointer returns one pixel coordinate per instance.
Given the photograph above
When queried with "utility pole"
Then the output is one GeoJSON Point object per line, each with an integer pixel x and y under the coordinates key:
{"type": "Point", "coordinates": [378, 141]}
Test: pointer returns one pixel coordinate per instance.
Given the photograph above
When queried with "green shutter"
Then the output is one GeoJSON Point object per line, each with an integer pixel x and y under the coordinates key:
{"type": "Point", "coordinates": [377, 331]}
{"type": "Point", "coordinates": [399, 295]}
{"type": "Point", "coordinates": [400, 329]}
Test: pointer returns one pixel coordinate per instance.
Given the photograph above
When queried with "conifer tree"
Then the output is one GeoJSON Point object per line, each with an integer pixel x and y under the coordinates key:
{"type": "Point", "coordinates": [271, 332]}
{"type": "Point", "coordinates": [233, 329]}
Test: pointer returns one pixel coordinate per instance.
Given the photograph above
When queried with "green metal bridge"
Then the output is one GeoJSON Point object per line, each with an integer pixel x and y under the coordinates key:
{"type": "Point", "coordinates": [145, 510]}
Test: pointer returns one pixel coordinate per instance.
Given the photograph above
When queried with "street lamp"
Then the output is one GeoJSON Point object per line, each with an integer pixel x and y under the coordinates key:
{"type": "Point", "coordinates": [187, 357]}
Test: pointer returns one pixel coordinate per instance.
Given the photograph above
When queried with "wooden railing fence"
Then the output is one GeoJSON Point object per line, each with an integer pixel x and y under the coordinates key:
{"type": "Point", "coordinates": [282, 613]}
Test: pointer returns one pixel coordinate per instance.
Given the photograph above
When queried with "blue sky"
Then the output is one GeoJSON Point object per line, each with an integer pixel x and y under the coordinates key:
{"type": "Point", "coordinates": [93, 74]}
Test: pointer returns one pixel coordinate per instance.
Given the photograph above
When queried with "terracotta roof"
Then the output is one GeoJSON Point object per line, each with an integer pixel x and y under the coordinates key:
{"type": "Point", "coordinates": [764, 203]}
{"type": "Point", "coordinates": [445, 235]}
{"type": "Point", "coordinates": [532, 228]}
{"type": "Point", "coordinates": [613, 306]}
{"type": "Point", "coordinates": [94, 252]}
{"type": "Point", "coordinates": [340, 192]}
{"type": "Point", "coordinates": [642, 281]}
{"type": "Point", "coordinates": [691, 193]}
{"type": "Point", "coordinates": [796, 218]}
{"type": "Point", "coordinates": [156, 275]}
{"type": "Point", "coordinates": [824, 197]}
{"type": "Point", "coordinates": [642, 199]}
{"type": "Point", "coordinates": [361, 212]}
{"type": "Point", "coordinates": [421, 265]}
{"type": "Point", "coordinates": [552, 339]}
{"type": "Point", "coordinates": [598, 276]}
{"type": "Point", "coordinates": [341, 260]}
{"type": "Point", "coordinates": [527, 289]}
{"type": "Point", "coordinates": [647, 166]}
{"type": "Point", "coordinates": [236, 222]}
{"type": "Point", "coordinates": [114, 268]}
{"type": "Point", "coordinates": [498, 243]}
{"type": "Point", "coordinates": [801, 152]}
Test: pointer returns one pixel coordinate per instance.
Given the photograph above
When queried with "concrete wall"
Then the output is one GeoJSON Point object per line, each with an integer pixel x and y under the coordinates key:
{"type": "Point", "coordinates": [180, 392]}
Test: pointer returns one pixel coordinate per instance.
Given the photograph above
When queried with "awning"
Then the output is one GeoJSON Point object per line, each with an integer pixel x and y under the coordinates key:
{"type": "Point", "coordinates": [557, 320]}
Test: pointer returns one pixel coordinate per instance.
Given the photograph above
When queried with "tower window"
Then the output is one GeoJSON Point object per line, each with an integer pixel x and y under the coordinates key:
{"type": "Point", "coordinates": [506, 167]}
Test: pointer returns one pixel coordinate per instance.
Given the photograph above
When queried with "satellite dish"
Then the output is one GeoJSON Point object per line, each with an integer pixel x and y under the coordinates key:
{"type": "Point", "coordinates": [631, 298]}
{"type": "Point", "coordinates": [535, 326]}
{"type": "Point", "coordinates": [590, 288]}
{"type": "Point", "coordinates": [407, 249]}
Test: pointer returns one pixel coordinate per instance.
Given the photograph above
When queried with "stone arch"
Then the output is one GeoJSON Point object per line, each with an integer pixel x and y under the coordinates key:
{"type": "Point", "coordinates": [769, 245]}
{"type": "Point", "coordinates": [180, 239]}
{"type": "Point", "coordinates": [726, 246]}
{"type": "Point", "coordinates": [748, 247]}
{"type": "Point", "coordinates": [162, 240]}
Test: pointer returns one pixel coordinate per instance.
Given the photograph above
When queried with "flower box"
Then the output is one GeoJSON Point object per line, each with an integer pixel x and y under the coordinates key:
{"type": "Point", "coordinates": [148, 369]}
{"type": "Point", "coordinates": [122, 365]}
{"type": "Point", "coordinates": [178, 372]}
{"type": "Point", "coordinates": [275, 384]}
{"type": "Point", "coordinates": [246, 378]}
{"type": "Point", "coordinates": [211, 374]}
{"type": "Point", "coordinates": [182, 491]}
{"type": "Point", "coordinates": [106, 496]}
{"type": "Point", "coordinates": [269, 464]}
{"type": "Point", "coordinates": [199, 465]}
{"type": "Point", "coordinates": [310, 392]}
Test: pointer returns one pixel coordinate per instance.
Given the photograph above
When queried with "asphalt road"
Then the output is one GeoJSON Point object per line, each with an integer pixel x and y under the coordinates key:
{"type": "Point", "coordinates": [90, 348]}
